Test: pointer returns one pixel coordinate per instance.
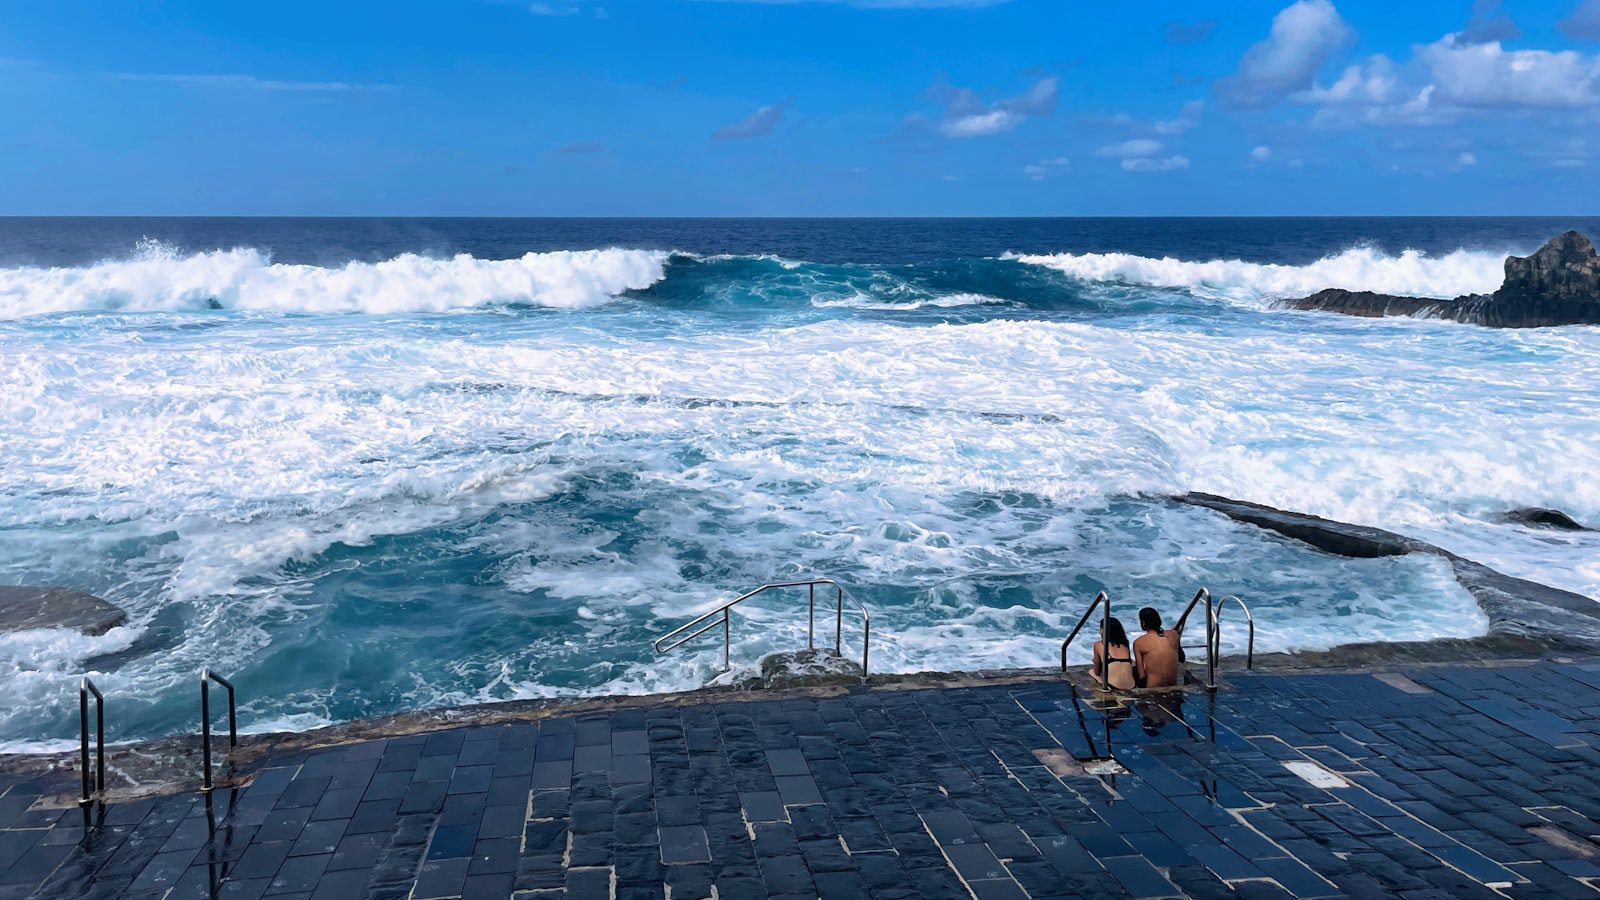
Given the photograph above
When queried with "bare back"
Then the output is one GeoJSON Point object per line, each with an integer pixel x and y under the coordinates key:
{"type": "Point", "coordinates": [1156, 656]}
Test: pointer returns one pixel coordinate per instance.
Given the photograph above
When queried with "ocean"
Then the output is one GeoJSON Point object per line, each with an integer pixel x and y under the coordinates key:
{"type": "Point", "coordinates": [366, 466]}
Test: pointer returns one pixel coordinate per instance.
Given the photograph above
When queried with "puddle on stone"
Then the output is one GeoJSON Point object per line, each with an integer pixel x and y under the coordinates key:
{"type": "Point", "coordinates": [1106, 766]}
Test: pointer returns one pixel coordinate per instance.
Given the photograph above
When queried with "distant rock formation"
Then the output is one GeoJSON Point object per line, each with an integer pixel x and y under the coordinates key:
{"type": "Point", "coordinates": [1540, 517]}
{"type": "Point", "coordinates": [1516, 607]}
{"type": "Point", "coordinates": [1559, 285]}
{"type": "Point", "coordinates": [23, 608]}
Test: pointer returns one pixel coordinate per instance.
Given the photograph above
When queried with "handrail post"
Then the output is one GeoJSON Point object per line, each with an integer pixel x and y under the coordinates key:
{"type": "Point", "coordinates": [727, 638]}
{"type": "Point", "coordinates": [205, 730]}
{"type": "Point", "coordinates": [1211, 645]}
{"type": "Point", "coordinates": [85, 688]}
{"type": "Point", "coordinates": [83, 742]}
{"type": "Point", "coordinates": [838, 625]}
{"type": "Point", "coordinates": [866, 643]}
{"type": "Point", "coordinates": [1105, 659]}
{"type": "Point", "coordinates": [811, 618]}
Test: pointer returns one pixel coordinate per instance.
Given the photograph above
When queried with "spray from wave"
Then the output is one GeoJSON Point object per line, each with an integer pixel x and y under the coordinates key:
{"type": "Point", "coordinates": [1411, 273]}
{"type": "Point", "coordinates": [158, 278]}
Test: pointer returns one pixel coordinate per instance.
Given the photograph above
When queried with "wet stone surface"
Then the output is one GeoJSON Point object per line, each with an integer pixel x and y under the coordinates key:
{"type": "Point", "coordinates": [1428, 783]}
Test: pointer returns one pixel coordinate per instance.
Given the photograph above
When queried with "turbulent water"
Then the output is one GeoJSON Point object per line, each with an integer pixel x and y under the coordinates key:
{"type": "Point", "coordinates": [365, 467]}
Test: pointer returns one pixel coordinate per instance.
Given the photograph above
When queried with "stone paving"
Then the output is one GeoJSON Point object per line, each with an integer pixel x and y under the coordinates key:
{"type": "Point", "coordinates": [1441, 782]}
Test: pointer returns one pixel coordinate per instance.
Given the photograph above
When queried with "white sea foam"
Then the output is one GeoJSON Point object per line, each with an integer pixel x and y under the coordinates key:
{"type": "Point", "coordinates": [157, 278]}
{"type": "Point", "coordinates": [1358, 269]}
{"type": "Point", "coordinates": [648, 471]}
{"type": "Point", "coordinates": [947, 301]}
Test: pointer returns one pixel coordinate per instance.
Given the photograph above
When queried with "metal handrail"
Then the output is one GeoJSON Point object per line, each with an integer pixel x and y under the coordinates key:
{"type": "Point", "coordinates": [206, 677]}
{"type": "Point", "coordinates": [1250, 620]}
{"type": "Point", "coordinates": [811, 584]}
{"type": "Point", "coordinates": [1210, 635]}
{"type": "Point", "coordinates": [85, 688]}
{"type": "Point", "coordinates": [1103, 600]}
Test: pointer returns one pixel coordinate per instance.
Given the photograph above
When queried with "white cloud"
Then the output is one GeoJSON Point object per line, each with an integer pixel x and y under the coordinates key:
{"type": "Point", "coordinates": [758, 124]}
{"type": "Point", "coordinates": [993, 121]}
{"type": "Point", "coordinates": [1304, 37]}
{"type": "Point", "coordinates": [1584, 23]}
{"type": "Point", "coordinates": [1127, 149]}
{"type": "Point", "coordinates": [1461, 73]}
{"type": "Point", "coordinates": [1188, 117]}
{"type": "Point", "coordinates": [966, 114]}
{"type": "Point", "coordinates": [1466, 159]}
{"type": "Point", "coordinates": [1487, 75]}
{"type": "Point", "coordinates": [1168, 164]}
{"type": "Point", "coordinates": [1569, 163]}
{"type": "Point", "coordinates": [553, 9]}
{"type": "Point", "coordinates": [1042, 169]}
{"type": "Point", "coordinates": [1261, 154]}
{"type": "Point", "coordinates": [250, 82]}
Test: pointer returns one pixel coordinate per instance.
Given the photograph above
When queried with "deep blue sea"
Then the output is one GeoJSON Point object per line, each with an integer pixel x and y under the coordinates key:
{"type": "Point", "coordinates": [371, 465]}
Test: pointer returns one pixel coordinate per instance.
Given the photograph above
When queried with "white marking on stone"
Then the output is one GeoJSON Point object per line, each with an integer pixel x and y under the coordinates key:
{"type": "Point", "coordinates": [1315, 775]}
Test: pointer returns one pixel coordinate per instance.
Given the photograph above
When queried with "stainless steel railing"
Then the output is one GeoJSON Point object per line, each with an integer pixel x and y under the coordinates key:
{"type": "Point", "coordinates": [1101, 600]}
{"type": "Point", "coordinates": [722, 616]}
{"type": "Point", "coordinates": [1203, 595]}
{"type": "Point", "coordinates": [1250, 620]}
{"type": "Point", "coordinates": [206, 677]}
{"type": "Point", "coordinates": [85, 688]}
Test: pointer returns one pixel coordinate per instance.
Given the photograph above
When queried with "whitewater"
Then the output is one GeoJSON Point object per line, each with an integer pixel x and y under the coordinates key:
{"type": "Point", "coordinates": [417, 479]}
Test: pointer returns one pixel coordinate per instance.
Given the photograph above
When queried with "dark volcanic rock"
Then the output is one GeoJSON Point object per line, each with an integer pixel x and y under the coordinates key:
{"type": "Point", "coordinates": [1366, 303]}
{"type": "Point", "coordinates": [1515, 607]}
{"type": "Point", "coordinates": [22, 608]}
{"type": "Point", "coordinates": [1540, 517]}
{"type": "Point", "coordinates": [1559, 285]}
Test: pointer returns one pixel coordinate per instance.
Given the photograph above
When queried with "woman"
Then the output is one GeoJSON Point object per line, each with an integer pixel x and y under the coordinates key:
{"type": "Point", "coordinates": [1113, 657]}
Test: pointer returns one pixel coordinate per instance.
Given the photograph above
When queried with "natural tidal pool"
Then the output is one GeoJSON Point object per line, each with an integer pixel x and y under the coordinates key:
{"type": "Point", "coordinates": [413, 478]}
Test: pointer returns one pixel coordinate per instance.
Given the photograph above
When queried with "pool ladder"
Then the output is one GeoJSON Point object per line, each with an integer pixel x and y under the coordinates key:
{"type": "Point", "coordinates": [1212, 646]}
{"type": "Point", "coordinates": [94, 787]}
{"type": "Point", "coordinates": [722, 616]}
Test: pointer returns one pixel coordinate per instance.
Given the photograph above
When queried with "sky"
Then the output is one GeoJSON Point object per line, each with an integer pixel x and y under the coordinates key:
{"type": "Point", "coordinates": [800, 107]}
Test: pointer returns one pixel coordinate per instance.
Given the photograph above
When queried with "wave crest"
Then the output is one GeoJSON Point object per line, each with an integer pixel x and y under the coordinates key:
{"type": "Point", "coordinates": [1411, 273]}
{"type": "Point", "coordinates": [159, 279]}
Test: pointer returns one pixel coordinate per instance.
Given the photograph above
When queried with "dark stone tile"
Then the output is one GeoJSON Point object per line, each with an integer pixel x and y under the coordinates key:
{"type": "Point", "coordinates": [684, 844]}
{"type": "Point", "coordinates": [452, 842]}
{"type": "Point", "coordinates": [298, 874]}
{"type": "Point", "coordinates": [441, 878]}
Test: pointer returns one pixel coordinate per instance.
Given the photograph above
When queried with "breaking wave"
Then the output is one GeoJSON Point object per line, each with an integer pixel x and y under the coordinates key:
{"type": "Point", "coordinates": [1411, 273]}
{"type": "Point", "coordinates": [158, 278]}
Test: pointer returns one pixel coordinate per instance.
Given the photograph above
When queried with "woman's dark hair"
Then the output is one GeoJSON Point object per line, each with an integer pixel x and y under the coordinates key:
{"type": "Point", "coordinates": [1115, 634]}
{"type": "Point", "coordinates": [1150, 620]}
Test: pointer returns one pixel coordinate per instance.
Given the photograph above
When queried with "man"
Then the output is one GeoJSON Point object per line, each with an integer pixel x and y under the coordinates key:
{"type": "Point", "coordinates": [1155, 653]}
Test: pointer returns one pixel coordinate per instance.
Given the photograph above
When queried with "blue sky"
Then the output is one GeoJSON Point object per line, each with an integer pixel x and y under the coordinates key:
{"type": "Point", "coordinates": [814, 107]}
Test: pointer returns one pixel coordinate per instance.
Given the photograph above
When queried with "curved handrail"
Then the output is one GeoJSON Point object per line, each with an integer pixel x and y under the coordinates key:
{"type": "Point", "coordinates": [1099, 598]}
{"type": "Point", "coordinates": [206, 677]}
{"type": "Point", "coordinates": [1210, 635]}
{"type": "Point", "coordinates": [843, 593]}
{"type": "Point", "coordinates": [1250, 620]}
{"type": "Point", "coordinates": [1202, 594]}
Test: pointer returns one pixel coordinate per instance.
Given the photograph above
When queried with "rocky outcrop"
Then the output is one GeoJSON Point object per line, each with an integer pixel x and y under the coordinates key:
{"type": "Point", "coordinates": [1559, 285]}
{"type": "Point", "coordinates": [23, 608]}
{"type": "Point", "coordinates": [1516, 607]}
{"type": "Point", "coordinates": [1541, 517]}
